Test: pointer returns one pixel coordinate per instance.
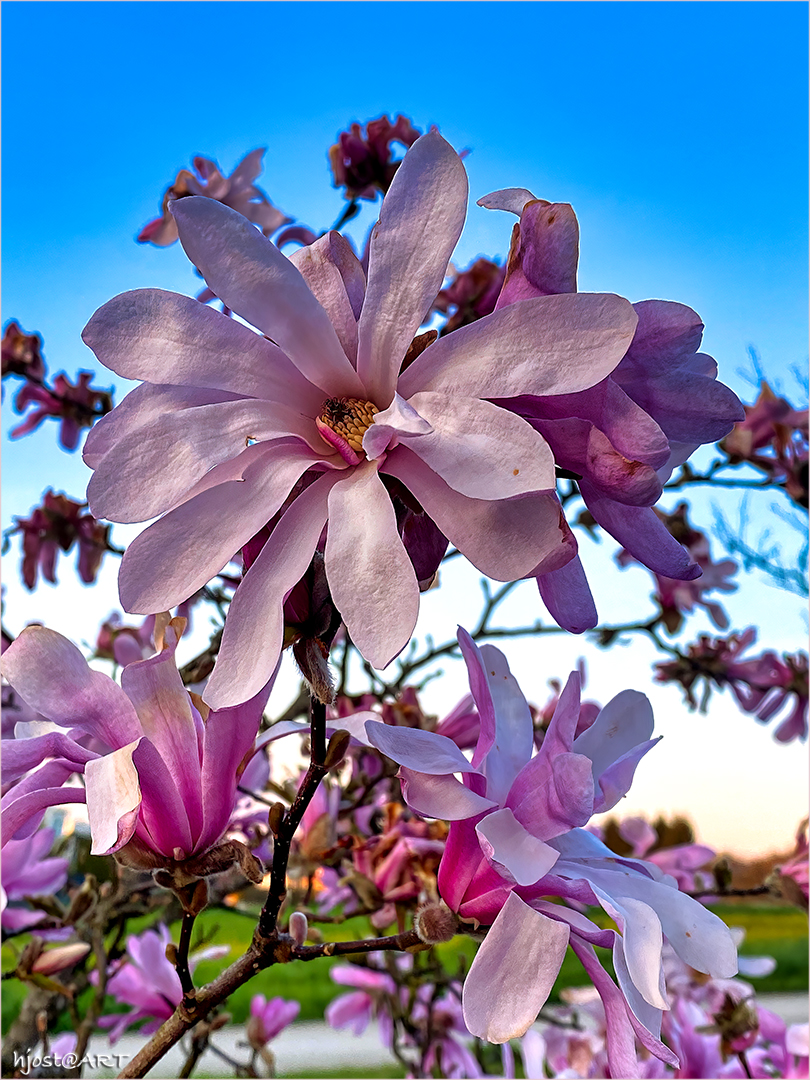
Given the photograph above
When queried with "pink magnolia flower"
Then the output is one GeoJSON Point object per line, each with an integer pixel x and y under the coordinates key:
{"type": "Point", "coordinates": [269, 1018]}
{"type": "Point", "coordinates": [624, 434]}
{"type": "Point", "coordinates": [357, 1009]}
{"type": "Point", "coordinates": [773, 439]}
{"type": "Point", "coordinates": [160, 770]}
{"type": "Point", "coordinates": [362, 163]}
{"type": "Point", "coordinates": [325, 400]}
{"type": "Point", "coordinates": [27, 870]}
{"type": "Point", "coordinates": [145, 979]}
{"type": "Point", "coordinates": [77, 407]}
{"type": "Point", "coordinates": [22, 353]}
{"type": "Point", "coordinates": [237, 191]}
{"type": "Point", "coordinates": [56, 525]}
{"type": "Point", "coordinates": [516, 838]}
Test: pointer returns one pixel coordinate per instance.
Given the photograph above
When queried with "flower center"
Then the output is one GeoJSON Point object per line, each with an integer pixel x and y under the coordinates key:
{"type": "Point", "coordinates": [343, 422]}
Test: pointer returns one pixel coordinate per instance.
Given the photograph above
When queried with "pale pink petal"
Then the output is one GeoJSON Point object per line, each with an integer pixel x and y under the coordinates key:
{"type": "Point", "coordinates": [641, 946]}
{"type": "Point", "coordinates": [481, 695]}
{"type": "Point", "coordinates": [398, 420]}
{"type": "Point", "coordinates": [513, 724]}
{"type": "Point", "coordinates": [182, 551]}
{"type": "Point", "coordinates": [423, 751]}
{"type": "Point", "coordinates": [544, 255]}
{"type": "Point", "coordinates": [441, 796]}
{"type": "Point", "coordinates": [513, 850]}
{"type": "Point", "coordinates": [163, 337]}
{"type": "Point", "coordinates": [246, 659]}
{"type": "Point", "coordinates": [643, 534]}
{"type": "Point", "coordinates": [512, 199]}
{"type": "Point", "coordinates": [480, 450]}
{"type": "Point", "coordinates": [163, 706]}
{"type": "Point", "coordinates": [420, 221]}
{"type": "Point", "coordinates": [51, 675]}
{"type": "Point", "coordinates": [152, 467]}
{"type": "Point", "coordinates": [113, 799]}
{"type": "Point", "coordinates": [513, 972]}
{"type": "Point", "coordinates": [547, 345]}
{"type": "Point", "coordinates": [623, 723]}
{"type": "Point", "coordinates": [141, 407]}
{"type": "Point", "coordinates": [567, 595]}
{"type": "Point", "coordinates": [334, 275]}
{"type": "Point", "coordinates": [249, 274]}
{"type": "Point", "coordinates": [505, 539]}
{"type": "Point", "coordinates": [616, 780]}
{"type": "Point", "coordinates": [369, 573]}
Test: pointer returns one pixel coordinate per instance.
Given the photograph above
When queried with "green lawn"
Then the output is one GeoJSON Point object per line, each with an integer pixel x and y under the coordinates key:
{"type": "Point", "coordinates": [773, 931]}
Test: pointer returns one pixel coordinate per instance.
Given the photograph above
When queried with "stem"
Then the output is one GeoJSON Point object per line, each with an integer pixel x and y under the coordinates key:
{"type": "Point", "coordinates": [281, 847]}
{"type": "Point", "coordinates": [183, 972]}
{"type": "Point", "coordinates": [744, 1062]}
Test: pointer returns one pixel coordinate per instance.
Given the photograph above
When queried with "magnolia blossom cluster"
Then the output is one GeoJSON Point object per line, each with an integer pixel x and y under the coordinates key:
{"type": "Point", "coordinates": [58, 525]}
{"type": "Point", "coordinates": [765, 686]}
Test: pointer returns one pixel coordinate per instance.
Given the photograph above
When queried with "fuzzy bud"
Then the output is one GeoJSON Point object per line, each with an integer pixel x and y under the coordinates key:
{"type": "Point", "coordinates": [434, 923]}
{"type": "Point", "coordinates": [336, 750]}
{"type": "Point", "coordinates": [299, 927]}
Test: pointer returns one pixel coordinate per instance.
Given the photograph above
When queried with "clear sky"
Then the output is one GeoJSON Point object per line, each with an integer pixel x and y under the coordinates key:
{"type": "Point", "coordinates": [677, 131]}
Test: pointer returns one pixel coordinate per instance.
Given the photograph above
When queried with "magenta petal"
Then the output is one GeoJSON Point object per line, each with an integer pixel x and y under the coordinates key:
{"type": "Point", "coordinates": [18, 811]}
{"type": "Point", "coordinates": [78, 697]}
{"type": "Point", "coordinates": [513, 972]}
{"type": "Point", "coordinates": [503, 539]}
{"type": "Point", "coordinates": [422, 751]}
{"type": "Point", "coordinates": [568, 597]}
{"type": "Point", "coordinates": [20, 755]}
{"type": "Point", "coordinates": [560, 798]}
{"type": "Point", "coordinates": [514, 851]}
{"type": "Point", "coordinates": [370, 575]}
{"type": "Point", "coordinates": [162, 337]}
{"type": "Point", "coordinates": [177, 555]}
{"type": "Point", "coordinates": [247, 659]}
{"type": "Point", "coordinates": [163, 706]}
{"type": "Point", "coordinates": [420, 221]}
{"type": "Point", "coordinates": [249, 274]}
{"type": "Point", "coordinates": [441, 796]}
{"type": "Point", "coordinates": [639, 530]}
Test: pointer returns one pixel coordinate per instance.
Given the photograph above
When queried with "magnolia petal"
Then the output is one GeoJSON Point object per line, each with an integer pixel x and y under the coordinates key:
{"type": "Point", "coordinates": [643, 534]}
{"type": "Point", "coordinates": [512, 199]}
{"type": "Point", "coordinates": [513, 972]}
{"type": "Point", "coordinates": [512, 849]}
{"type": "Point", "coordinates": [480, 450]}
{"type": "Point", "coordinates": [249, 274]}
{"type": "Point", "coordinates": [18, 812]}
{"type": "Point", "coordinates": [51, 675]}
{"type": "Point", "coordinates": [369, 573]}
{"type": "Point", "coordinates": [624, 723]}
{"type": "Point", "coordinates": [547, 345]}
{"type": "Point", "coordinates": [148, 471]}
{"type": "Point", "coordinates": [177, 555]}
{"type": "Point", "coordinates": [330, 268]}
{"type": "Point", "coordinates": [568, 597]}
{"type": "Point", "coordinates": [506, 539]}
{"type": "Point", "coordinates": [641, 947]}
{"type": "Point", "coordinates": [163, 706]}
{"type": "Point", "coordinates": [442, 797]}
{"type": "Point", "coordinates": [422, 751]}
{"type": "Point", "coordinates": [561, 797]}
{"type": "Point", "coordinates": [479, 685]}
{"type": "Point", "coordinates": [21, 755]}
{"type": "Point", "coordinates": [113, 799]}
{"type": "Point", "coordinates": [544, 255]}
{"type": "Point", "coordinates": [513, 743]}
{"type": "Point", "coordinates": [398, 420]}
{"type": "Point", "coordinates": [162, 337]}
{"type": "Point", "coordinates": [420, 222]}
{"type": "Point", "coordinates": [246, 659]}
{"type": "Point", "coordinates": [617, 778]}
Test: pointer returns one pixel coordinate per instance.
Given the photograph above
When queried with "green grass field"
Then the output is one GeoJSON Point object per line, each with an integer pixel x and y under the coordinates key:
{"type": "Point", "coordinates": [772, 931]}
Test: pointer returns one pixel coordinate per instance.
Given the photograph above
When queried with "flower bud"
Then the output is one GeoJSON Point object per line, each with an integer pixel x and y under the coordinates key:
{"type": "Point", "coordinates": [275, 817]}
{"type": "Point", "coordinates": [435, 922]}
{"type": "Point", "coordinates": [299, 927]}
{"type": "Point", "coordinates": [63, 956]}
{"type": "Point", "coordinates": [336, 750]}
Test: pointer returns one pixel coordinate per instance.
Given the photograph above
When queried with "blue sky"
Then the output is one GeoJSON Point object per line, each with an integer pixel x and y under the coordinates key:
{"type": "Point", "coordinates": [677, 130]}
